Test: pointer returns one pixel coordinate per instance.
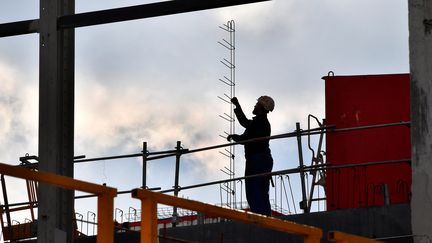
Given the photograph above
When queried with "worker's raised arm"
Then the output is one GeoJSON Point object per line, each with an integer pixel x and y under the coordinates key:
{"type": "Point", "coordinates": [241, 117]}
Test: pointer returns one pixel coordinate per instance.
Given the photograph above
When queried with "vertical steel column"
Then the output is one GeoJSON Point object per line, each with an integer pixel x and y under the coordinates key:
{"type": "Point", "coordinates": [420, 51]}
{"type": "Point", "coordinates": [56, 120]}
{"type": "Point", "coordinates": [176, 181]}
{"type": "Point", "coordinates": [144, 166]}
{"type": "Point", "coordinates": [303, 203]}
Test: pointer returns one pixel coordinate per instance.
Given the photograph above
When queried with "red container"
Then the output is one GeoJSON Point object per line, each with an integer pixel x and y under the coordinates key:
{"type": "Point", "coordinates": [353, 101]}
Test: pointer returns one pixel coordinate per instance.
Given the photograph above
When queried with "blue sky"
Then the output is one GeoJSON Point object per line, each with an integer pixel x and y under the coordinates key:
{"type": "Point", "coordinates": [156, 80]}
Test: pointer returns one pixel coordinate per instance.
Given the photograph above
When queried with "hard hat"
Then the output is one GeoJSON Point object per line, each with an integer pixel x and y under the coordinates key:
{"type": "Point", "coordinates": [267, 102]}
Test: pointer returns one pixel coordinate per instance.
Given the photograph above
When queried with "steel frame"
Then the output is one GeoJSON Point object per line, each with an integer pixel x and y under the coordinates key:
{"type": "Point", "coordinates": [151, 10]}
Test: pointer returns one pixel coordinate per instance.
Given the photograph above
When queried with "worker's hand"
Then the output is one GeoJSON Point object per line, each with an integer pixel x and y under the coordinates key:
{"type": "Point", "coordinates": [233, 137]}
{"type": "Point", "coordinates": [235, 101]}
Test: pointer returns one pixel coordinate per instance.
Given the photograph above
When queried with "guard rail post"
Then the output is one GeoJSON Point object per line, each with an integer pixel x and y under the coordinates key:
{"type": "Point", "coordinates": [149, 221]}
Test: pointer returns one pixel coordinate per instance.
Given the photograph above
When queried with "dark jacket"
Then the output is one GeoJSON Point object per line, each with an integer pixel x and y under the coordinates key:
{"type": "Point", "coordinates": [259, 126]}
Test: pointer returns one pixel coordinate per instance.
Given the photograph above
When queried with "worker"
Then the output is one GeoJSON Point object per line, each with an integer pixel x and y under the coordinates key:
{"type": "Point", "coordinates": [257, 154]}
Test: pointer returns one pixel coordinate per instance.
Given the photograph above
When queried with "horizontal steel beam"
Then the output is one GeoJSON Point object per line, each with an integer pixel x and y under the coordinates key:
{"type": "Point", "coordinates": [144, 11]}
{"type": "Point", "coordinates": [121, 14]}
{"type": "Point", "coordinates": [19, 28]}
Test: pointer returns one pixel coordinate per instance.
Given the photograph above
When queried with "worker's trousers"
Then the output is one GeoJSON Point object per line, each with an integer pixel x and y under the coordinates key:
{"type": "Point", "coordinates": [257, 188]}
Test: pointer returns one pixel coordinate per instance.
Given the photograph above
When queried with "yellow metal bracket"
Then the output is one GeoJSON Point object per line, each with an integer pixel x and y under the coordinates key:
{"type": "Point", "coordinates": [104, 194]}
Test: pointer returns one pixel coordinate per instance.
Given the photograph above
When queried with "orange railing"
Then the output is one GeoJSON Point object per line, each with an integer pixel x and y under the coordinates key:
{"type": "Point", "coordinates": [149, 201]}
{"type": "Point", "coordinates": [340, 237]}
{"type": "Point", "coordinates": [104, 194]}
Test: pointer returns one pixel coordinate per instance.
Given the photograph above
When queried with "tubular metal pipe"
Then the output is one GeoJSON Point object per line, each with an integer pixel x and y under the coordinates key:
{"type": "Point", "coordinates": [108, 158]}
{"type": "Point", "coordinates": [313, 131]}
{"type": "Point", "coordinates": [303, 203]}
{"type": "Point", "coordinates": [144, 166]}
{"type": "Point", "coordinates": [402, 123]}
{"type": "Point", "coordinates": [165, 154]}
{"type": "Point", "coordinates": [292, 171]}
{"type": "Point", "coordinates": [280, 172]}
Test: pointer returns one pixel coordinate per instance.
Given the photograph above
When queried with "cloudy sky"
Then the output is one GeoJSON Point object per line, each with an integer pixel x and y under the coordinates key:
{"type": "Point", "coordinates": [156, 80]}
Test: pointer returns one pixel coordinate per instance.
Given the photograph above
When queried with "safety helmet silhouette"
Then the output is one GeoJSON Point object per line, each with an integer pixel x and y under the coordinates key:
{"type": "Point", "coordinates": [267, 102]}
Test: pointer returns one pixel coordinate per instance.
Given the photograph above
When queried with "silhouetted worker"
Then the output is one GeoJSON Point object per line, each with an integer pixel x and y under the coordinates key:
{"type": "Point", "coordinates": [257, 154]}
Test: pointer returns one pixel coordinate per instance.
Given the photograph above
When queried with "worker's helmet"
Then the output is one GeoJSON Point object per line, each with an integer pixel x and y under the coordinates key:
{"type": "Point", "coordinates": [267, 102]}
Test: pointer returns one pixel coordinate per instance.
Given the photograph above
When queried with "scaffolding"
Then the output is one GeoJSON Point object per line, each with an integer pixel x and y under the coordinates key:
{"type": "Point", "coordinates": [281, 177]}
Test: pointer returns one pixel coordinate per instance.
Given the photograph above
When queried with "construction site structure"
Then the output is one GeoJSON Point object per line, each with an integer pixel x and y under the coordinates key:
{"type": "Point", "coordinates": [345, 186]}
{"type": "Point", "coordinates": [55, 25]}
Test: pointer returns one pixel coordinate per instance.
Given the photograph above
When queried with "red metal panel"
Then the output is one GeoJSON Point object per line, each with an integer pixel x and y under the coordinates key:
{"type": "Point", "coordinates": [353, 101]}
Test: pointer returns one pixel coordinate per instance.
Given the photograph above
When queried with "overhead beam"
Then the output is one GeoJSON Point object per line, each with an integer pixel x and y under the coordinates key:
{"type": "Point", "coordinates": [19, 28]}
{"type": "Point", "coordinates": [121, 14]}
{"type": "Point", "coordinates": [145, 11]}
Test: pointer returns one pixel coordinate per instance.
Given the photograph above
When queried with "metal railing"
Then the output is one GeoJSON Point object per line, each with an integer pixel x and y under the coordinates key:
{"type": "Point", "coordinates": [340, 237]}
{"type": "Point", "coordinates": [149, 221]}
{"type": "Point", "coordinates": [149, 201]}
{"type": "Point", "coordinates": [179, 151]}
{"type": "Point", "coordinates": [302, 169]}
{"type": "Point", "coordinates": [104, 194]}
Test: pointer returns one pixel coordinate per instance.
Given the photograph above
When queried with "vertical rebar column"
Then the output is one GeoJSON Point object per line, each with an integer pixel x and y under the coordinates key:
{"type": "Point", "coordinates": [230, 82]}
{"type": "Point", "coordinates": [144, 166]}
{"type": "Point", "coordinates": [303, 203]}
{"type": "Point", "coordinates": [176, 181]}
{"type": "Point", "coordinates": [232, 123]}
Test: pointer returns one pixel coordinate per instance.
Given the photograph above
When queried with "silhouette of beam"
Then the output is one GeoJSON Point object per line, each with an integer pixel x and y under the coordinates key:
{"type": "Point", "coordinates": [145, 11]}
{"type": "Point", "coordinates": [19, 28]}
{"type": "Point", "coordinates": [121, 14]}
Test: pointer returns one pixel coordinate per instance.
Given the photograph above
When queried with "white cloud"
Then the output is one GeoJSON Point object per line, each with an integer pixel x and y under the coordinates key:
{"type": "Point", "coordinates": [106, 120]}
{"type": "Point", "coordinates": [18, 113]}
{"type": "Point", "coordinates": [261, 18]}
{"type": "Point", "coordinates": [18, 128]}
{"type": "Point", "coordinates": [5, 124]}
